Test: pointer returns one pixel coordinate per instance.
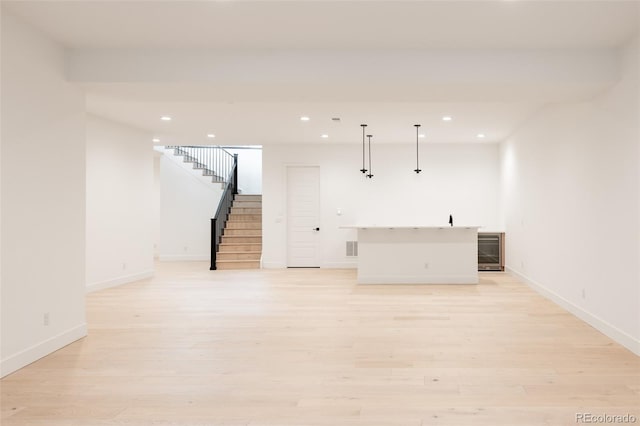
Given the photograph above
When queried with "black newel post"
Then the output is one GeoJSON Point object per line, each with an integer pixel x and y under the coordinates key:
{"type": "Point", "coordinates": [235, 174]}
{"type": "Point", "coordinates": [213, 244]}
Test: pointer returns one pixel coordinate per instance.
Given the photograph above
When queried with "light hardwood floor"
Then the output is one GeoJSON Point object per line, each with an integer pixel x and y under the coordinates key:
{"type": "Point", "coordinates": [311, 347]}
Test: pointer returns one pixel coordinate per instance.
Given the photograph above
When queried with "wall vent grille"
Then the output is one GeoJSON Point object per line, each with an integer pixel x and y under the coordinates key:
{"type": "Point", "coordinates": [352, 249]}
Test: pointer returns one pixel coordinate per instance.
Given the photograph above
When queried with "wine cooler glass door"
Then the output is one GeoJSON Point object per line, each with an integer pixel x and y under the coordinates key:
{"type": "Point", "coordinates": [489, 255]}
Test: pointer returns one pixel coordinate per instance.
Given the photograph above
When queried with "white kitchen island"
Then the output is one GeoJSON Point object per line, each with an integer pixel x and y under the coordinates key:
{"type": "Point", "coordinates": [417, 254]}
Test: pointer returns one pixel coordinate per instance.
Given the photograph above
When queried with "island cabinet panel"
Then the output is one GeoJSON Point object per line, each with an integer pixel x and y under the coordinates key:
{"type": "Point", "coordinates": [418, 255]}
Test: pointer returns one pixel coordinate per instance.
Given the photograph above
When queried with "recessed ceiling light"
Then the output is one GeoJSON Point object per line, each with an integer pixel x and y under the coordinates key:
{"type": "Point", "coordinates": [421, 135]}
{"type": "Point", "coordinates": [446, 118]}
{"type": "Point", "coordinates": [480, 135]}
{"type": "Point", "coordinates": [304, 118]}
{"type": "Point", "coordinates": [165, 118]}
{"type": "Point", "coordinates": [211, 135]}
{"type": "Point", "coordinates": [155, 140]}
{"type": "Point", "coordinates": [325, 136]}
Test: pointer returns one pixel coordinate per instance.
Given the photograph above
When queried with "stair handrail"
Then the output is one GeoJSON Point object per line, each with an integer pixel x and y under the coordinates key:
{"type": "Point", "coordinates": [219, 221]}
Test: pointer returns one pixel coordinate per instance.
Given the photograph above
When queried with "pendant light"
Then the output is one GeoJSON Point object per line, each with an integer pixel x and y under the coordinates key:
{"type": "Point", "coordinates": [363, 170]}
{"type": "Point", "coordinates": [417, 169]}
{"type": "Point", "coordinates": [369, 175]}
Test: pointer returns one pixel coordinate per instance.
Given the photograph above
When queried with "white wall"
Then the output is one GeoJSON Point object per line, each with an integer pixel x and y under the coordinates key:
{"type": "Point", "coordinates": [249, 169]}
{"type": "Point", "coordinates": [119, 204]}
{"type": "Point", "coordinates": [187, 203]}
{"type": "Point", "coordinates": [460, 179]}
{"type": "Point", "coordinates": [156, 204]}
{"type": "Point", "coordinates": [571, 191]}
{"type": "Point", "coordinates": [43, 199]}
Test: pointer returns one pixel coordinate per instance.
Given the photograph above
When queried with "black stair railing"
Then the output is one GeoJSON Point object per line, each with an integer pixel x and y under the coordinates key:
{"type": "Point", "coordinates": [219, 221]}
{"type": "Point", "coordinates": [214, 161]}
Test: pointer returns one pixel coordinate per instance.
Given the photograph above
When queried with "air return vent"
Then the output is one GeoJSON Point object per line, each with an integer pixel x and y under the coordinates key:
{"type": "Point", "coordinates": [352, 248]}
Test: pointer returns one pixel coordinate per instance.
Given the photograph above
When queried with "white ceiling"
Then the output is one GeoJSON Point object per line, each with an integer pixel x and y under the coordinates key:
{"type": "Point", "coordinates": [258, 104]}
{"type": "Point", "coordinates": [328, 24]}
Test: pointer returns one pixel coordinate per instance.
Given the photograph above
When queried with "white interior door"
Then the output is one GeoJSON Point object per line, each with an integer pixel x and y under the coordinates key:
{"type": "Point", "coordinates": [303, 217]}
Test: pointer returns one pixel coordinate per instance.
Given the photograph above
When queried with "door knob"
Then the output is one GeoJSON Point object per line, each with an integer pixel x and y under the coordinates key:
{"type": "Point", "coordinates": [316, 229]}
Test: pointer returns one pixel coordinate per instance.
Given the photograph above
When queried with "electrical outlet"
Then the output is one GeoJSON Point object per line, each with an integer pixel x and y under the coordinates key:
{"type": "Point", "coordinates": [426, 265]}
{"type": "Point", "coordinates": [45, 318]}
{"type": "Point", "coordinates": [186, 248]}
{"type": "Point", "coordinates": [124, 265]}
{"type": "Point", "coordinates": [584, 293]}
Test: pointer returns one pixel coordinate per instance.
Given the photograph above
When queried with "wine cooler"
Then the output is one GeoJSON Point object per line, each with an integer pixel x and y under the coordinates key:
{"type": "Point", "coordinates": [491, 251]}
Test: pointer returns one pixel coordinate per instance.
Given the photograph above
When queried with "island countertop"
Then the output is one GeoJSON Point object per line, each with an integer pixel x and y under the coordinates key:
{"type": "Point", "coordinates": [374, 226]}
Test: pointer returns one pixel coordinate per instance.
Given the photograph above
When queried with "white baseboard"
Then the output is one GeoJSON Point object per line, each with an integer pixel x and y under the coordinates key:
{"type": "Point", "coordinates": [101, 285]}
{"type": "Point", "coordinates": [599, 324]}
{"type": "Point", "coordinates": [273, 265]}
{"type": "Point", "coordinates": [184, 258]}
{"type": "Point", "coordinates": [417, 279]}
{"type": "Point", "coordinates": [42, 349]}
{"type": "Point", "coordinates": [328, 265]}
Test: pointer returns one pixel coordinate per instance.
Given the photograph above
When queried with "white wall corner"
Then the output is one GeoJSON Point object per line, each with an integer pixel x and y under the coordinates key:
{"type": "Point", "coordinates": [619, 336]}
{"type": "Point", "coordinates": [25, 357]}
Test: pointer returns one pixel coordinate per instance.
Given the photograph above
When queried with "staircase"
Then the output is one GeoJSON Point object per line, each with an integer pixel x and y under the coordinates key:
{"type": "Point", "coordinates": [241, 245]}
